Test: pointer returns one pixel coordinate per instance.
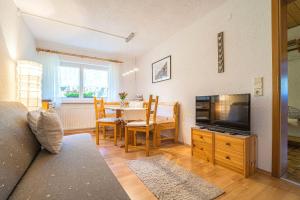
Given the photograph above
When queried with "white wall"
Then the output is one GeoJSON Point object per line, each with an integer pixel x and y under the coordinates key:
{"type": "Point", "coordinates": [128, 83]}
{"type": "Point", "coordinates": [247, 28]}
{"type": "Point", "coordinates": [16, 42]}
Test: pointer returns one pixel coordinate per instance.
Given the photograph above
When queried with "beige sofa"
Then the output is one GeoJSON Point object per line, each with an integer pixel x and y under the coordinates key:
{"type": "Point", "coordinates": [27, 172]}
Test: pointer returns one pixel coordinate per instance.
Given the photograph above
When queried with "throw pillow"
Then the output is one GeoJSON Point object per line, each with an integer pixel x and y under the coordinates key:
{"type": "Point", "coordinates": [50, 131]}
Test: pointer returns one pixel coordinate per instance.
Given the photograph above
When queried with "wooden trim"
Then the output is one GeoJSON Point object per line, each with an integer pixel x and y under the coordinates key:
{"type": "Point", "coordinates": [280, 94]}
{"type": "Point", "coordinates": [77, 55]}
{"type": "Point", "coordinates": [79, 131]}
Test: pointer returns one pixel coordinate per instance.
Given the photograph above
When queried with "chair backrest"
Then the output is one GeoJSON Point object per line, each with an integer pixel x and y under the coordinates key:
{"type": "Point", "coordinates": [99, 108]}
{"type": "Point", "coordinates": [167, 111]}
{"type": "Point", "coordinates": [151, 109]}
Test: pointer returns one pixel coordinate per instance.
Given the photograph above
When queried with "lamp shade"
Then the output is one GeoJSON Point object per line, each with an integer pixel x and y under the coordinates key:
{"type": "Point", "coordinates": [29, 80]}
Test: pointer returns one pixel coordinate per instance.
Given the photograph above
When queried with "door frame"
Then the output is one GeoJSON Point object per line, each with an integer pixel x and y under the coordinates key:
{"type": "Point", "coordinates": [280, 87]}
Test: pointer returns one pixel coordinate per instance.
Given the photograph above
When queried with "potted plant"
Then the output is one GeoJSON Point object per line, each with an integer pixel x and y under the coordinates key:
{"type": "Point", "coordinates": [123, 96]}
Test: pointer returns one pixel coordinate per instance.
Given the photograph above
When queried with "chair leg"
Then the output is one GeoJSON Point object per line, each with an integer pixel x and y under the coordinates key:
{"type": "Point", "coordinates": [158, 137]}
{"type": "Point", "coordinates": [115, 135]}
{"type": "Point", "coordinates": [176, 134]}
{"type": "Point", "coordinates": [120, 132]}
{"type": "Point", "coordinates": [147, 142]}
{"type": "Point", "coordinates": [134, 138]}
{"type": "Point", "coordinates": [104, 132]}
{"type": "Point", "coordinates": [126, 139]}
{"type": "Point", "coordinates": [155, 136]}
{"type": "Point", "coordinates": [97, 133]}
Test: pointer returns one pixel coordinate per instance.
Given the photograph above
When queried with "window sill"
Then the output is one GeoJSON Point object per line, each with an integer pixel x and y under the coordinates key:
{"type": "Point", "coordinates": [78, 101]}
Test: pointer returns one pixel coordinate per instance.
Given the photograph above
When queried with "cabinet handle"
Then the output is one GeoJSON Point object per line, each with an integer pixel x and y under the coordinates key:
{"type": "Point", "coordinates": [227, 157]}
{"type": "Point", "coordinates": [227, 143]}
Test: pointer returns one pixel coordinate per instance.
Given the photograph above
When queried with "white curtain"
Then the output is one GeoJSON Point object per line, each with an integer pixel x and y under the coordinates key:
{"type": "Point", "coordinates": [50, 81]}
{"type": "Point", "coordinates": [114, 82]}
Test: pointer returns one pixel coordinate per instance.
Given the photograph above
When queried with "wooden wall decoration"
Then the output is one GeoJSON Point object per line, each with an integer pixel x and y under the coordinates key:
{"type": "Point", "coordinates": [221, 52]}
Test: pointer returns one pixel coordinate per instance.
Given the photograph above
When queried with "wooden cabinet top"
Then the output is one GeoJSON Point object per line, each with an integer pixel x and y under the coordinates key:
{"type": "Point", "coordinates": [225, 134]}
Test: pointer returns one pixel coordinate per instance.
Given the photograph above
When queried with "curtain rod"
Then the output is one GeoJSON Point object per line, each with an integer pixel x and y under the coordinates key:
{"type": "Point", "coordinates": [77, 55]}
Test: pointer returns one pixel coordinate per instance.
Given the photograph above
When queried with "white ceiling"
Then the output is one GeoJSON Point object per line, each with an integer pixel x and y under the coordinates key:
{"type": "Point", "coordinates": [151, 20]}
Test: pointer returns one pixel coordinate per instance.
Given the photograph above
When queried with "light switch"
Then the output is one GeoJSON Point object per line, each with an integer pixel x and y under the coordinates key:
{"type": "Point", "coordinates": [258, 82]}
{"type": "Point", "coordinates": [258, 86]}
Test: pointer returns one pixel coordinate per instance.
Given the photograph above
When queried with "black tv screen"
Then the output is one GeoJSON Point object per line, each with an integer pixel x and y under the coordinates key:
{"type": "Point", "coordinates": [227, 111]}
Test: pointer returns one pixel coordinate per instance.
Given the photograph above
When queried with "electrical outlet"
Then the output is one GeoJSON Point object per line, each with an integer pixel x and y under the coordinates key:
{"type": "Point", "coordinates": [258, 92]}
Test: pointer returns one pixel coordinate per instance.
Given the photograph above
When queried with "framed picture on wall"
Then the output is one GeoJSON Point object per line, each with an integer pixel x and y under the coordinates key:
{"type": "Point", "coordinates": [161, 70]}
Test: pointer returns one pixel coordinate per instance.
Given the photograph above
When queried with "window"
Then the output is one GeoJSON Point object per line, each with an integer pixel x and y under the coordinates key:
{"type": "Point", "coordinates": [69, 82]}
{"type": "Point", "coordinates": [95, 83]}
{"type": "Point", "coordinates": [29, 78]}
{"type": "Point", "coordinates": [83, 81]}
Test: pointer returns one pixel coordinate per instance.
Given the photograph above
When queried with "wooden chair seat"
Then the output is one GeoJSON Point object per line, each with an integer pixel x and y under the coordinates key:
{"type": "Point", "coordinates": [109, 120]}
{"type": "Point", "coordinates": [164, 121]}
{"type": "Point", "coordinates": [139, 123]}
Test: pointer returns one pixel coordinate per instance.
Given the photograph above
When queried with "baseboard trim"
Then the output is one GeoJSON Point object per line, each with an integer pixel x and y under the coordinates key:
{"type": "Point", "coordinates": [263, 172]}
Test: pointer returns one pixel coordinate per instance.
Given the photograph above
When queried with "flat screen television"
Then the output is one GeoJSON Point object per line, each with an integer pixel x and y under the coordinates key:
{"type": "Point", "coordinates": [230, 112]}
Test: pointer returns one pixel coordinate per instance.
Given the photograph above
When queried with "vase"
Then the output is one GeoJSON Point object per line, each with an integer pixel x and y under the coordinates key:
{"type": "Point", "coordinates": [122, 104]}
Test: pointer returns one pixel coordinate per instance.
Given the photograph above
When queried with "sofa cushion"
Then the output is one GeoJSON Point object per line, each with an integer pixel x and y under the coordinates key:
{"type": "Point", "coordinates": [18, 146]}
{"type": "Point", "coordinates": [50, 131]}
{"type": "Point", "coordinates": [77, 172]}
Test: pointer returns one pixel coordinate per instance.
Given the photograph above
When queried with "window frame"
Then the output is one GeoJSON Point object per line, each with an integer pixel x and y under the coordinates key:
{"type": "Point", "coordinates": [81, 67]}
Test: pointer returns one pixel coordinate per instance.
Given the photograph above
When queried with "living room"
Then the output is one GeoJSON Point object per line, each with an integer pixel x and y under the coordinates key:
{"type": "Point", "coordinates": [144, 100]}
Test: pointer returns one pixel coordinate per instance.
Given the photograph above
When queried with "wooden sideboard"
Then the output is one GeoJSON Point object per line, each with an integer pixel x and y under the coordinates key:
{"type": "Point", "coordinates": [236, 152]}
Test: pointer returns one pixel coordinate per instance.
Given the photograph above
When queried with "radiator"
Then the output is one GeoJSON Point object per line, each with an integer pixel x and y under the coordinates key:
{"type": "Point", "coordinates": [77, 116]}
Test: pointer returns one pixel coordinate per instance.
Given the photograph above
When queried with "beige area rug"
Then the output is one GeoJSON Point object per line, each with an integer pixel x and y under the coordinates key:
{"type": "Point", "coordinates": [166, 180]}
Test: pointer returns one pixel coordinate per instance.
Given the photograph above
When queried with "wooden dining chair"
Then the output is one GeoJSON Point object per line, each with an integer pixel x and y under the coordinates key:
{"type": "Point", "coordinates": [149, 124]}
{"type": "Point", "coordinates": [103, 121]}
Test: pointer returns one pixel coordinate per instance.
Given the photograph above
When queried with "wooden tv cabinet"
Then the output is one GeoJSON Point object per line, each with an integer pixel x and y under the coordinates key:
{"type": "Point", "coordinates": [235, 152]}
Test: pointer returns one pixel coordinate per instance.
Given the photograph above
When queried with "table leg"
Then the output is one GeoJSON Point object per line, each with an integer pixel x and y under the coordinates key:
{"type": "Point", "coordinates": [118, 113]}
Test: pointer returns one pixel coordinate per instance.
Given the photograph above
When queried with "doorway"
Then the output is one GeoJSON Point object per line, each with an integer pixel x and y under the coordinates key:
{"type": "Point", "coordinates": [286, 89]}
{"type": "Point", "coordinates": [293, 35]}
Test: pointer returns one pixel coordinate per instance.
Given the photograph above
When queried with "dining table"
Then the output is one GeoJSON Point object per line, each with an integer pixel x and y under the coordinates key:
{"type": "Point", "coordinates": [137, 111]}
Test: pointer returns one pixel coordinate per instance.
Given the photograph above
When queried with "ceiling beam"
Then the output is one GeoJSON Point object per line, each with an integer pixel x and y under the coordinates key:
{"type": "Point", "coordinates": [77, 55]}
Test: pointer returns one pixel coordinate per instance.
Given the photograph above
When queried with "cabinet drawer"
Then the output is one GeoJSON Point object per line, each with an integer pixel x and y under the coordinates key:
{"type": "Point", "coordinates": [201, 136]}
{"type": "Point", "coordinates": [230, 159]}
{"type": "Point", "coordinates": [202, 146]}
{"type": "Point", "coordinates": [229, 144]}
{"type": "Point", "coordinates": [203, 154]}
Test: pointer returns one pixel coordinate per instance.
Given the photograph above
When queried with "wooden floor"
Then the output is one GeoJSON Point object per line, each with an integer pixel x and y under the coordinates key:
{"type": "Point", "coordinates": [259, 186]}
{"type": "Point", "coordinates": [293, 172]}
{"type": "Point", "coordinates": [294, 164]}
